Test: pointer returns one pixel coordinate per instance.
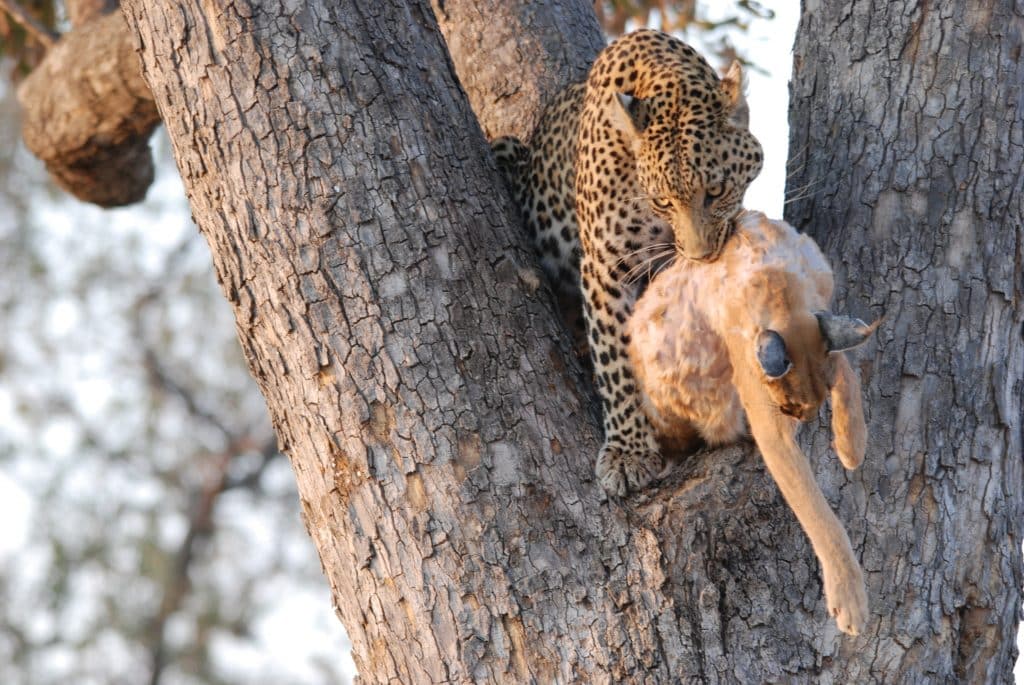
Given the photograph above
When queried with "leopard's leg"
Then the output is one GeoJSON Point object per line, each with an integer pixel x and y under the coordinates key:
{"type": "Point", "coordinates": [848, 428]}
{"type": "Point", "coordinates": [549, 214]}
{"type": "Point", "coordinates": [513, 158]}
{"type": "Point", "coordinates": [629, 458]}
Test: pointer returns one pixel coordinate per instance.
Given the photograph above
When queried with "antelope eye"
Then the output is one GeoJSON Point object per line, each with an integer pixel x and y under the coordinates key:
{"type": "Point", "coordinates": [662, 204]}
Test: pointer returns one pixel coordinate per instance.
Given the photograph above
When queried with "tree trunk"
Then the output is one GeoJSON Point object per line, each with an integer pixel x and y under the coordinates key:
{"type": "Point", "coordinates": [908, 132]}
{"type": "Point", "coordinates": [512, 56]}
{"type": "Point", "coordinates": [441, 436]}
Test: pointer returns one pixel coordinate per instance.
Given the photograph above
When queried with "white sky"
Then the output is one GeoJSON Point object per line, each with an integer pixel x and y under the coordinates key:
{"type": "Point", "coordinates": [769, 45]}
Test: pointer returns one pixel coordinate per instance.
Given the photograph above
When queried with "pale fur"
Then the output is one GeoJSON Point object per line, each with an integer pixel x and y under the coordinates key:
{"type": "Point", "coordinates": [693, 344]}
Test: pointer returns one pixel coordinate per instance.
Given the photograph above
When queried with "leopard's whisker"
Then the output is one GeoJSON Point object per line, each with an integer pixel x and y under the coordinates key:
{"type": "Point", "coordinates": [655, 269]}
{"type": "Point", "coordinates": [645, 248]}
{"type": "Point", "coordinates": [642, 249]}
{"type": "Point", "coordinates": [639, 267]}
{"type": "Point", "coordinates": [797, 198]}
{"type": "Point", "coordinates": [809, 184]}
{"type": "Point", "coordinates": [802, 192]}
{"type": "Point", "coordinates": [795, 164]}
{"type": "Point", "coordinates": [648, 264]}
{"type": "Point", "coordinates": [661, 248]}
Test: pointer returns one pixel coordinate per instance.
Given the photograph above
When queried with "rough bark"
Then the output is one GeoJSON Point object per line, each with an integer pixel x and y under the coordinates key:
{"type": "Point", "coordinates": [512, 56]}
{"type": "Point", "coordinates": [443, 449]}
{"type": "Point", "coordinates": [907, 118]}
{"type": "Point", "coordinates": [88, 114]}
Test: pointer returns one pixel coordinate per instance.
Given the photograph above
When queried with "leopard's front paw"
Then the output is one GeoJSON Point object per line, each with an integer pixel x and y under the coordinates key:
{"type": "Point", "coordinates": [847, 600]}
{"type": "Point", "coordinates": [620, 470]}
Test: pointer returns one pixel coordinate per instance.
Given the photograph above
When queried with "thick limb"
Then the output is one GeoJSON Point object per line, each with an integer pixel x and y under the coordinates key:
{"type": "Point", "coordinates": [629, 458]}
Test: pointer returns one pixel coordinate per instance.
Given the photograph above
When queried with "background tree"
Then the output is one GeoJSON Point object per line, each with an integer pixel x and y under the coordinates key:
{"type": "Point", "coordinates": [149, 531]}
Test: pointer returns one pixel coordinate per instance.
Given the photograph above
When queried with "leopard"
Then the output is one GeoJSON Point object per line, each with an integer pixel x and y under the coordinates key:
{"type": "Point", "coordinates": [644, 163]}
{"type": "Point", "coordinates": [541, 177]}
{"type": "Point", "coordinates": [747, 344]}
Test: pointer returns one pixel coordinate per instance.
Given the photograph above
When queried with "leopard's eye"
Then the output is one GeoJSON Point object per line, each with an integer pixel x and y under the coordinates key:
{"type": "Point", "coordinates": [661, 204]}
{"type": "Point", "coordinates": [712, 193]}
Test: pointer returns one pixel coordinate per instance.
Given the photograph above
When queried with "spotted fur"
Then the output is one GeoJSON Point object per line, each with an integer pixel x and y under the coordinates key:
{"type": "Point", "coordinates": [650, 159]}
{"type": "Point", "coordinates": [542, 178]}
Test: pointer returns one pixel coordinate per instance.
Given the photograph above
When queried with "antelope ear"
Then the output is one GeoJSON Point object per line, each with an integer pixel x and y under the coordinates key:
{"type": "Point", "coordinates": [731, 86]}
{"type": "Point", "coordinates": [624, 119]}
{"type": "Point", "coordinates": [843, 332]}
{"type": "Point", "coordinates": [771, 353]}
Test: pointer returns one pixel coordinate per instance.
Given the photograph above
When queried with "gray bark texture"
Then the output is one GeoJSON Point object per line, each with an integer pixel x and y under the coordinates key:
{"type": "Point", "coordinates": [441, 435]}
{"type": "Point", "coordinates": [908, 142]}
{"type": "Point", "coordinates": [87, 113]}
{"type": "Point", "coordinates": [512, 56]}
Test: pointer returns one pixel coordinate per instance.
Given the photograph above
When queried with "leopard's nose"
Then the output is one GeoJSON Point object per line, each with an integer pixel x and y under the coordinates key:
{"type": "Point", "coordinates": [691, 242]}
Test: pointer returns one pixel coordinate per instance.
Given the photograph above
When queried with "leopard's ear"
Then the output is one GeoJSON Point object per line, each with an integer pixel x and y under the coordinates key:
{"type": "Point", "coordinates": [731, 86]}
{"type": "Point", "coordinates": [843, 332]}
{"type": "Point", "coordinates": [772, 354]}
{"type": "Point", "coordinates": [623, 118]}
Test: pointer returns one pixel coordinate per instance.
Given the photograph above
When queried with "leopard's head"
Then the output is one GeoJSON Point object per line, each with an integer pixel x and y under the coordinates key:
{"type": "Point", "coordinates": [695, 156]}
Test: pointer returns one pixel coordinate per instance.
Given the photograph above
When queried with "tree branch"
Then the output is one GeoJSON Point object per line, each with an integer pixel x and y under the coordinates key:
{"type": "Point", "coordinates": [511, 61]}
{"type": "Point", "coordinates": [200, 525]}
{"type": "Point", "coordinates": [88, 114]}
{"type": "Point", "coordinates": [41, 33]}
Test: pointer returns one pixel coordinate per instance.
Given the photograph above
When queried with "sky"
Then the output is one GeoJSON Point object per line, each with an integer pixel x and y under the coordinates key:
{"type": "Point", "coordinates": [769, 45]}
